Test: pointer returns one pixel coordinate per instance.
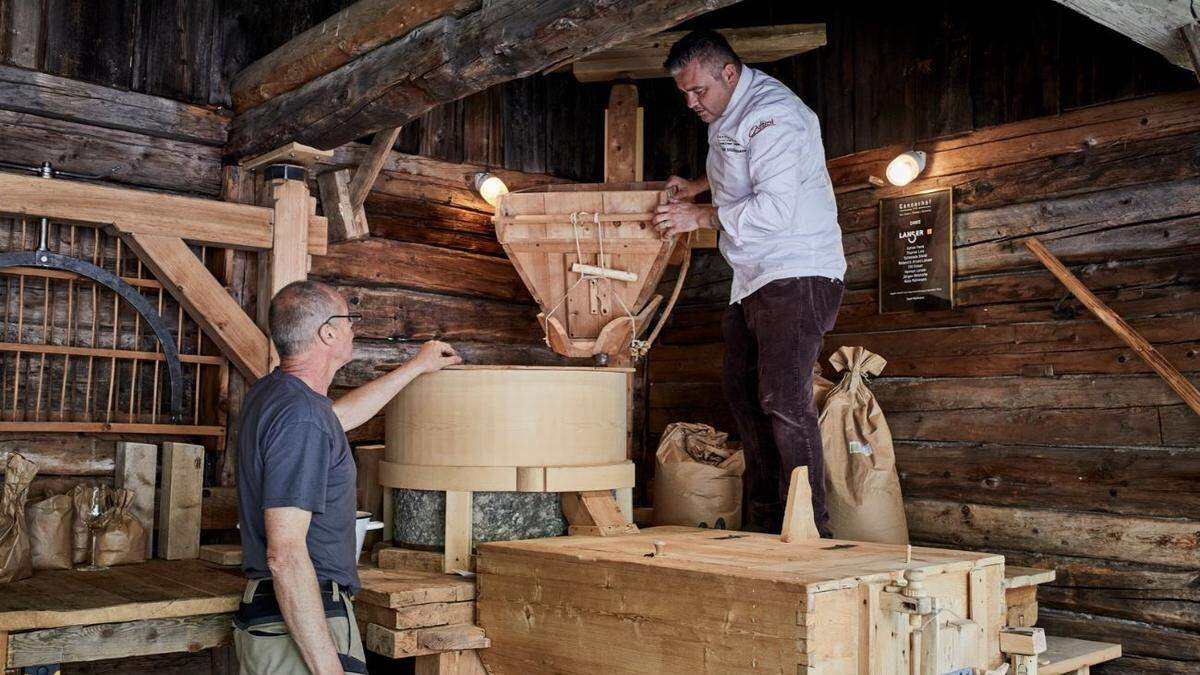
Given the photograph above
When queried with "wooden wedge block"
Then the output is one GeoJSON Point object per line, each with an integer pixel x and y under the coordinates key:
{"type": "Point", "coordinates": [222, 554]}
{"type": "Point", "coordinates": [798, 519]}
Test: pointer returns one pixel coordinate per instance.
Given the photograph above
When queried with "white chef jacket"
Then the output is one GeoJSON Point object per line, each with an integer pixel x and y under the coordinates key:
{"type": "Point", "coordinates": [774, 198]}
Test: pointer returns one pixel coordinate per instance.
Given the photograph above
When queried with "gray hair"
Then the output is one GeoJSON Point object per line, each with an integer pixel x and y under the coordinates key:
{"type": "Point", "coordinates": [297, 312]}
{"type": "Point", "coordinates": [707, 45]}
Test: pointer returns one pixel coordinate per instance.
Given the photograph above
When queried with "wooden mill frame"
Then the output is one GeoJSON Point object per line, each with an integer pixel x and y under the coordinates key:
{"type": "Point", "coordinates": [158, 228]}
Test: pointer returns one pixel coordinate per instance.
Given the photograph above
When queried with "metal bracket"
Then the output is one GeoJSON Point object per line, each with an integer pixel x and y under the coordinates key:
{"type": "Point", "coordinates": [48, 260]}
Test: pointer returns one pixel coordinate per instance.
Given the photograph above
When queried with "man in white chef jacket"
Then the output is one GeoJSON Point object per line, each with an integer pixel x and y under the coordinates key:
{"type": "Point", "coordinates": [773, 204]}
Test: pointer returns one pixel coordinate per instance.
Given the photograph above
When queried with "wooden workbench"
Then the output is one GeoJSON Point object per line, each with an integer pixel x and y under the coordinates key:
{"type": "Point", "coordinates": [157, 607]}
{"type": "Point", "coordinates": [165, 606]}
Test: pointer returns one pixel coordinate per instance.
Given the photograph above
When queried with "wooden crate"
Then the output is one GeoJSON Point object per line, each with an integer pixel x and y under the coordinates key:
{"type": "Point", "coordinates": [548, 229]}
{"type": "Point", "coordinates": [730, 602]}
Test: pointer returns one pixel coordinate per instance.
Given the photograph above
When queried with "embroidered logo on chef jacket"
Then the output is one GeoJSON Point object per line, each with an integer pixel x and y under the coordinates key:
{"type": "Point", "coordinates": [760, 126]}
{"type": "Point", "coordinates": [730, 144]}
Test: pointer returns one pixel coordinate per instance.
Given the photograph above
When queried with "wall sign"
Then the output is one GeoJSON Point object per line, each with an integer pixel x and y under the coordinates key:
{"type": "Point", "coordinates": [916, 252]}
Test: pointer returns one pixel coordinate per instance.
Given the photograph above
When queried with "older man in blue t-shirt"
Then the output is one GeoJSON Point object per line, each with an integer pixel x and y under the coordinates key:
{"type": "Point", "coordinates": [296, 489]}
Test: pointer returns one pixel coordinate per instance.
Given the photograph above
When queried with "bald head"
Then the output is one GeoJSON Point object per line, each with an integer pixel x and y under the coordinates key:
{"type": "Point", "coordinates": [297, 312]}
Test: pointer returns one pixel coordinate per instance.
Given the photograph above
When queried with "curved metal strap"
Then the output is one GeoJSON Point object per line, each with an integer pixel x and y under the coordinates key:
{"type": "Point", "coordinates": [48, 260]}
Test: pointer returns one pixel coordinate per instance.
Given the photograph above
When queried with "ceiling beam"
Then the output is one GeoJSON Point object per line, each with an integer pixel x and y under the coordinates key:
{"type": "Point", "coordinates": [1151, 23]}
{"type": "Point", "coordinates": [350, 33]}
{"type": "Point", "coordinates": [447, 59]}
{"type": "Point", "coordinates": [643, 57]}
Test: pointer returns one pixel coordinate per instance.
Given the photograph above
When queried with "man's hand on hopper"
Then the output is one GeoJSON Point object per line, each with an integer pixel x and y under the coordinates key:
{"type": "Point", "coordinates": [680, 217]}
{"type": "Point", "coordinates": [683, 190]}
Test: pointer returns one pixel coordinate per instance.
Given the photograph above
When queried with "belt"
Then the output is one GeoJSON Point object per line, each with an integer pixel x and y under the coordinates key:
{"type": "Point", "coordinates": [259, 604]}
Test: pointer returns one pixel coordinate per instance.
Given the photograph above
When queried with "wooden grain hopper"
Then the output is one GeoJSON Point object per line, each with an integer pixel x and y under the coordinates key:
{"type": "Point", "coordinates": [592, 259]}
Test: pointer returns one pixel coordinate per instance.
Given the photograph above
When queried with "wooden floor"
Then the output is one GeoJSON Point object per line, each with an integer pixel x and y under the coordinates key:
{"type": "Point", "coordinates": [152, 590]}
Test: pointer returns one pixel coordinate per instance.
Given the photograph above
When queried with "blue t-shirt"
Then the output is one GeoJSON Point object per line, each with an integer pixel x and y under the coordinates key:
{"type": "Point", "coordinates": [292, 451]}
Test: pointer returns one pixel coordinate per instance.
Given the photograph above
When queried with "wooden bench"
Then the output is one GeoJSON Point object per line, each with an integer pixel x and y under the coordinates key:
{"type": "Point", "coordinates": [1069, 655]}
{"type": "Point", "coordinates": [157, 607]}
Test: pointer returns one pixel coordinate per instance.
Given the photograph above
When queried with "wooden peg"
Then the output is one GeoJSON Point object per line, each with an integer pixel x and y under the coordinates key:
{"type": "Point", "coordinates": [798, 520]}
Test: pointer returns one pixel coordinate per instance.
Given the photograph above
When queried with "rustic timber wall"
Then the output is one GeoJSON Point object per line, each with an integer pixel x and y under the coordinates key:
{"type": "Point", "coordinates": [1023, 425]}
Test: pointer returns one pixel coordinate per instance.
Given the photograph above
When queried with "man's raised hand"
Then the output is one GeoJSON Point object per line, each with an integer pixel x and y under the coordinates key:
{"type": "Point", "coordinates": [435, 355]}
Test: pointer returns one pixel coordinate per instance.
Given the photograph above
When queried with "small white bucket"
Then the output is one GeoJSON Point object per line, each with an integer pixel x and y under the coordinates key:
{"type": "Point", "coordinates": [362, 525]}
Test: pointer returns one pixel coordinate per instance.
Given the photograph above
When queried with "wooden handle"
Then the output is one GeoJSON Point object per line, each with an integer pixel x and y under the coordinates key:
{"type": "Point", "coordinates": [1116, 324]}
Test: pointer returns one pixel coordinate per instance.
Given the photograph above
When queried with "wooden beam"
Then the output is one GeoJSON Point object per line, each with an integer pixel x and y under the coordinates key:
{"type": "Point", "coordinates": [205, 300]}
{"type": "Point", "coordinates": [445, 60]}
{"type": "Point", "coordinates": [623, 136]}
{"type": "Point", "coordinates": [119, 640]}
{"type": "Point", "coordinates": [179, 504]}
{"type": "Point", "coordinates": [1116, 324]}
{"type": "Point", "coordinates": [350, 33]}
{"type": "Point", "coordinates": [643, 57]}
{"type": "Point", "coordinates": [46, 95]}
{"type": "Point", "coordinates": [288, 260]}
{"type": "Point", "coordinates": [434, 181]}
{"type": "Point", "coordinates": [1191, 42]}
{"type": "Point", "coordinates": [1150, 23]}
{"type": "Point", "coordinates": [136, 469]}
{"type": "Point", "coordinates": [372, 162]}
{"type": "Point", "coordinates": [288, 153]}
{"type": "Point", "coordinates": [128, 211]}
{"type": "Point", "coordinates": [347, 222]}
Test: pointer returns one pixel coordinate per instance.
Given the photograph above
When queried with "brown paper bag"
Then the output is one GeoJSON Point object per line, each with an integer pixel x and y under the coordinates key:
{"type": "Point", "coordinates": [16, 559]}
{"type": "Point", "coordinates": [122, 539]}
{"type": "Point", "coordinates": [698, 479]}
{"type": "Point", "coordinates": [862, 488]}
{"type": "Point", "coordinates": [50, 538]}
{"type": "Point", "coordinates": [81, 536]}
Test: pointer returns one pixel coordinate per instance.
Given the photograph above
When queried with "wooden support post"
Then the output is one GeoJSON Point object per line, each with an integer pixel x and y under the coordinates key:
{"type": "Point", "coordinates": [389, 514]}
{"type": "Point", "coordinates": [459, 531]}
{"type": "Point", "coordinates": [370, 492]}
{"type": "Point", "coordinates": [1191, 42]}
{"type": "Point", "coordinates": [288, 259]}
{"type": "Point", "coordinates": [136, 467]}
{"type": "Point", "coordinates": [623, 136]}
{"type": "Point", "coordinates": [798, 520]}
{"type": "Point", "coordinates": [347, 222]}
{"type": "Point", "coordinates": [179, 507]}
{"type": "Point", "coordinates": [1116, 324]}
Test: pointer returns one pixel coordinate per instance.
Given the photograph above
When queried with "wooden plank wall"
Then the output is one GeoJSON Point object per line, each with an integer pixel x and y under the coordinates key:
{"type": "Point", "coordinates": [1022, 424]}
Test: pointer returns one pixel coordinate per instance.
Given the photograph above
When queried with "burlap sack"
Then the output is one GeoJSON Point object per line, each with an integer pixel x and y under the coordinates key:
{"type": "Point", "coordinates": [50, 538]}
{"type": "Point", "coordinates": [16, 560]}
{"type": "Point", "coordinates": [122, 539]}
{"type": "Point", "coordinates": [81, 536]}
{"type": "Point", "coordinates": [698, 479]}
{"type": "Point", "coordinates": [862, 488]}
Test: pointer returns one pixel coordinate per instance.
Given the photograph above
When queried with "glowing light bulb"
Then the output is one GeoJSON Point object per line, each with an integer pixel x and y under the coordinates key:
{"type": "Point", "coordinates": [490, 187]}
{"type": "Point", "coordinates": [907, 166]}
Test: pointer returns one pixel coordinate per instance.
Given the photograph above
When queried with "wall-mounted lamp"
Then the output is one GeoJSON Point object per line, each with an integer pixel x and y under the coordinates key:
{"type": "Point", "coordinates": [907, 166]}
{"type": "Point", "coordinates": [490, 187]}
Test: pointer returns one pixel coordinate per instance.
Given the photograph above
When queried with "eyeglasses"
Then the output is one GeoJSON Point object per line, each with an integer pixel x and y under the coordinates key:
{"type": "Point", "coordinates": [352, 318]}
